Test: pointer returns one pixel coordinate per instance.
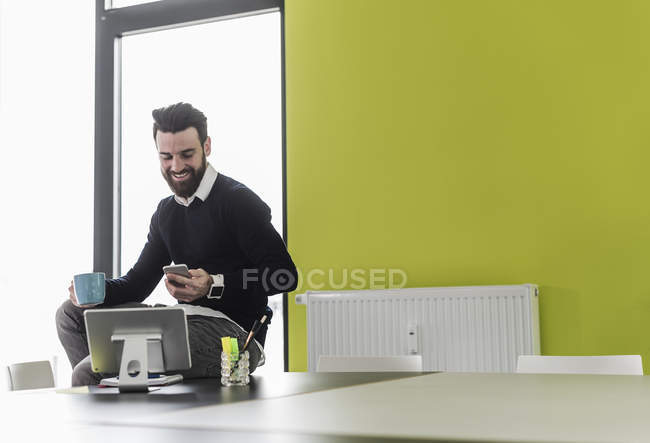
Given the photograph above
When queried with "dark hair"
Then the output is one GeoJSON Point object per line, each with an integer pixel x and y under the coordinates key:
{"type": "Point", "coordinates": [178, 117]}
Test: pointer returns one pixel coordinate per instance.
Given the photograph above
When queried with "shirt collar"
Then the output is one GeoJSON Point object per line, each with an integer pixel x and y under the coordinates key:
{"type": "Point", "coordinates": [202, 192]}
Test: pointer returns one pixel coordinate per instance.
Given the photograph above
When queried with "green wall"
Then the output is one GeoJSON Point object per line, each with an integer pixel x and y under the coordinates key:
{"type": "Point", "coordinates": [476, 143]}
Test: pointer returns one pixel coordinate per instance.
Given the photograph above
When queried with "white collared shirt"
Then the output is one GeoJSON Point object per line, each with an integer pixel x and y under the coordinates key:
{"type": "Point", "coordinates": [202, 192]}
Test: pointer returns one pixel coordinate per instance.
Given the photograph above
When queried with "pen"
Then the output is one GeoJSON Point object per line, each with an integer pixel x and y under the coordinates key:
{"type": "Point", "coordinates": [257, 325]}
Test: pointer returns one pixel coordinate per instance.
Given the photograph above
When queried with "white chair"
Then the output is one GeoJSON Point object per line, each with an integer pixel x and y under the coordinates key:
{"type": "Point", "coordinates": [599, 364]}
{"type": "Point", "coordinates": [346, 363]}
{"type": "Point", "coordinates": [30, 375]}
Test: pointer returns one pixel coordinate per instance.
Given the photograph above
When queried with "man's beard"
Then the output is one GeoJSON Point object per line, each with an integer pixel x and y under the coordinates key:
{"type": "Point", "coordinates": [188, 186]}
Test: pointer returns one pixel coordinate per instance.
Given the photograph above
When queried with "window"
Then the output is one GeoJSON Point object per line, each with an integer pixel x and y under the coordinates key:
{"type": "Point", "coordinates": [46, 125]}
{"type": "Point", "coordinates": [231, 71]}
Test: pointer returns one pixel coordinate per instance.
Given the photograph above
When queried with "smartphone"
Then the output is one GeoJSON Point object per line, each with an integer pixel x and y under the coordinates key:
{"type": "Point", "coordinates": [177, 269]}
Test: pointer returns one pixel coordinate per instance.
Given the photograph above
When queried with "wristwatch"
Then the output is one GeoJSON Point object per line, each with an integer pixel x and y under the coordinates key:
{"type": "Point", "coordinates": [216, 291]}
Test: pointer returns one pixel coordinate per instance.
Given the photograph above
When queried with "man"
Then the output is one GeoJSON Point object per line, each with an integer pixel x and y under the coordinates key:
{"type": "Point", "coordinates": [215, 225]}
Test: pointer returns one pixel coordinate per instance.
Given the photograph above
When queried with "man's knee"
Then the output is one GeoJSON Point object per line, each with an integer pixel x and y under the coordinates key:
{"type": "Point", "coordinates": [68, 315]}
{"type": "Point", "coordinates": [254, 356]}
{"type": "Point", "coordinates": [83, 375]}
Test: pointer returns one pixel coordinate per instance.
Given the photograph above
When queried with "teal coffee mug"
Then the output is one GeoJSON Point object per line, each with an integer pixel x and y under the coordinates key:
{"type": "Point", "coordinates": [90, 288]}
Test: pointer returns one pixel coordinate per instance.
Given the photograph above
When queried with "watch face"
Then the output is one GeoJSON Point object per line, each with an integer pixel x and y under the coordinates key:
{"type": "Point", "coordinates": [216, 292]}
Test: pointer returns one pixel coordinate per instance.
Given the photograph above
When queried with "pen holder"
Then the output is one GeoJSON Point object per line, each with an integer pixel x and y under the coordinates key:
{"type": "Point", "coordinates": [235, 372]}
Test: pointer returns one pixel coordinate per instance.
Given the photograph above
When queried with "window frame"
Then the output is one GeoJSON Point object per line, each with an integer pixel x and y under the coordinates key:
{"type": "Point", "coordinates": [111, 24]}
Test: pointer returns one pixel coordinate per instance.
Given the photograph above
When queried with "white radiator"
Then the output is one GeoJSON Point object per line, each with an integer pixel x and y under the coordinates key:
{"type": "Point", "coordinates": [460, 329]}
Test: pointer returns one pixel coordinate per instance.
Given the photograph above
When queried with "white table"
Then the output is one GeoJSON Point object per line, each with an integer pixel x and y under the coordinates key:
{"type": "Point", "coordinates": [516, 407]}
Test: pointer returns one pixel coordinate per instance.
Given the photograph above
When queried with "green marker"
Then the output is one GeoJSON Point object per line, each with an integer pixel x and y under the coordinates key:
{"type": "Point", "coordinates": [225, 345]}
{"type": "Point", "coordinates": [234, 346]}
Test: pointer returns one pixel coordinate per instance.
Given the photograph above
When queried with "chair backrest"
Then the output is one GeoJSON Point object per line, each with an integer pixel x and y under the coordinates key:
{"type": "Point", "coordinates": [341, 363]}
{"type": "Point", "coordinates": [597, 364]}
{"type": "Point", "coordinates": [31, 375]}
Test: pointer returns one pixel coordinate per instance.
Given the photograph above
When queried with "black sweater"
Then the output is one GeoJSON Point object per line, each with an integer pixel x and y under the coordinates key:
{"type": "Point", "coordinates": [229, 233]}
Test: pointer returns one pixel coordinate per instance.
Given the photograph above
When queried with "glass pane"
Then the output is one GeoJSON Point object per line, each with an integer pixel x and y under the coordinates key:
{"type": "Point", "coordinates": [46, 120]}
{"type": "Point", "coordinates": [231, 71]}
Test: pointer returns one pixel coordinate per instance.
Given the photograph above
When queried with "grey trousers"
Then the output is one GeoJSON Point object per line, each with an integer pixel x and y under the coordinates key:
{"type": "Point", "coordinates": [204, 335]}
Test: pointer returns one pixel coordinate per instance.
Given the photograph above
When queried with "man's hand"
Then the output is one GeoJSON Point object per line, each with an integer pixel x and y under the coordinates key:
{"type": "Point", "coordinates": [189, 289]}
{"type": "Point", "coordinates": [73, 297]}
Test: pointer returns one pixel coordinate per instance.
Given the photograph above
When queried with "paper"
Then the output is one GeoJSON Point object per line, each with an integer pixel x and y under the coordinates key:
{"type": "Point", "coordinates": [74, 390]}
{"type": "Point", "coordinates": [162, 380]}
